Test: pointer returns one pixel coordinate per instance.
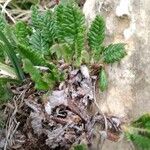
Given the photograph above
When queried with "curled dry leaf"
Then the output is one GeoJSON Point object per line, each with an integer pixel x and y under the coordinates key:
{"type": "Point", "coordinates": [55, 99]}
{"type": "Point", "coordinates": [85, 71]}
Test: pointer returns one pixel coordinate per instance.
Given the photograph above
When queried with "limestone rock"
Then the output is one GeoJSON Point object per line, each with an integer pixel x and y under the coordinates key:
{"type": "Point", "coordinates": [127, 21]}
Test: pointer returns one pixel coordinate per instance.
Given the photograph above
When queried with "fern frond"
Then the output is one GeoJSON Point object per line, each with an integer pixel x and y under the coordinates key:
{"type": "Point", "coordinates": [103, 83]}
{"type": "Point", "coordinates": [141, 142]}
{"type": "Point", "coordinates": [80, 147]}
{"type": "Point", "coordinates": [142, 122]}
{"type": "Point", "coordinates": [113, 53]}
{"type": "Point", "coordinates": [139, 132]}
{"type": "Point", "coordinates": [96, 56]}
{"type": "Point", "coordinates": [56, 74]}
{"type": "Point", "coordinates": [22, 31]}
{"type": "Point", "coordinates": [96, 34]}
{"type": "Point", "coordinates": [48, 30]}
{"type": "Point", "coordinates": [43, 81]}
{"type": "Point", "coordinates": [48, 78]}
{"type": "Point", "coordinates": [35, 57]}
{"type": "Point", "coordinates": [2, 23]}
{"type": "Point", "coordinates": [70, 28]}
{"type": "Point", "coordinates": [44, 22]}
{"type": "Point", "coordinates": [38, 42]}
{"type": "Point", "coordinates": [2, 56]}
{"type": "Point", "coordinates": [36, 18]}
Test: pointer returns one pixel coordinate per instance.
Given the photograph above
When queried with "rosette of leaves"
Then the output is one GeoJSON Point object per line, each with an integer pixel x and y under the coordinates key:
{"type": "Point", "coordinates": [70, 27]}
{"type": "Point", "coordinates": [103, 54]}
{"type": "Point", "coordinates": [62, 34]}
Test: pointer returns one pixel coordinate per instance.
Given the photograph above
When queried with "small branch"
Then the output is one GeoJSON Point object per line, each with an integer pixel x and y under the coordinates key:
{"type": "Point", "coordinates": [7, 13]}
{"type": "Point", "coordinates": [5, 5]}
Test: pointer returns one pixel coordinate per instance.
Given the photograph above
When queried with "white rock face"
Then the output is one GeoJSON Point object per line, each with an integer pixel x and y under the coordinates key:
{"type": "Point", "coordinates": [89, 10]}
{"type": "Point", "coordinates": [123, 8]}
{"type": "Point", "coordinates": [127, 21]}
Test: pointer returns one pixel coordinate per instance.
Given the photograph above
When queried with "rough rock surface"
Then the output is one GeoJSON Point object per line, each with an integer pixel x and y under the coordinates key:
{"type": "Point", "coordinates": [129, 82]}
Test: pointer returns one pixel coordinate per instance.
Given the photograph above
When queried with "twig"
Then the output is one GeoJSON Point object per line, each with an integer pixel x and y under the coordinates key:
{"type": "Point", "coordinates": [5, 5]}
{"type": "Point", "coordinates": [56, 135]}
{"type": "Point", "coordinates": [7, 136]}
{"type": "Point", "coordinates": [12, 134]}
{"type": "Point", "coordinates": [12, 124]}
{"type": "Point", "coordinates": [5, 11]}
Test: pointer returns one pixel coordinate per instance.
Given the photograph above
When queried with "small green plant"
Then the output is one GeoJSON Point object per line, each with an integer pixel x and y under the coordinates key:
{"type": "Point", "coordinates": [53, 36]}
{"type": "Point", "coordinates": [80, 147]}
{"type": "Point", "coordinates": [139, 132]}
{"type": "Point", "coordinates": [62, 34]}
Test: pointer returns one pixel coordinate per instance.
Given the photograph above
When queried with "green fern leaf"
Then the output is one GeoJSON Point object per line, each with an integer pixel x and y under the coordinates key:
{"type": "Point", "coordinates": [48, 30]}
{"type": "Point", "coordinates": [2, 23]}
{"type": "Point", "coordinates": [43, 80]}
{"type": "Point", "coordinates": [48, 78]}
{"type": "Point", "coordinates": [96, 34]}
{"type": "Point", "coordinates": [2, 56]}
{"type": "Point", "coordinates": [70, 28]}
{"type": "Point", "coordinates": [142, 122]}
{"type": "Point", "coordinates": [113, 53]}
{"type": "Point", "coordinates": [139, 132]}
{"type": "Point", "coordinates": [35, 75]}
{"type": "Point", "coordinates": [36, 18]}
{"type": "Point", "coordinates": [97, 54]}
{"type": "Point", "coordinates": [22, 31]}
{"type": "Point", "coordinates": [103, 83]}
{"type": "Point", "coordinates": [140, 141]}
{"type": "Point", "coordinates": [80, 147]}
{"type": "Point", "coordinates": [43, 22]}
{"type": "Point", "coordinates": [38, 42]}
{"type": "Point", "coordinates": [35, 57]}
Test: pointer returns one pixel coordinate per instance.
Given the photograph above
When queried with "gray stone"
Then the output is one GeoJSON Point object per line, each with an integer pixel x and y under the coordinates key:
{"type": "Point", "coordinates": [128, 95]}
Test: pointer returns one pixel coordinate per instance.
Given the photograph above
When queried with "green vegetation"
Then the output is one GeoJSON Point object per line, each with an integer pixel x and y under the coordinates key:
{"type": "Point", "coordinates": [52, 36]}
{"type": "Point", "coordinates": [57, 35]}
{"type": "Point", "coordinates": [139, 132]}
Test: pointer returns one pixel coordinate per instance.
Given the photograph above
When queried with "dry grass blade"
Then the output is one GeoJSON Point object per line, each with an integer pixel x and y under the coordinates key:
{"type": "Point", "coordinates": [16, 13]}
{"type": "Point", "coordinates": [8, 14]}
{"type": "Point", "coordinates": [12, 124]}
{"type": "Point", "coordinates": [5, 5]}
